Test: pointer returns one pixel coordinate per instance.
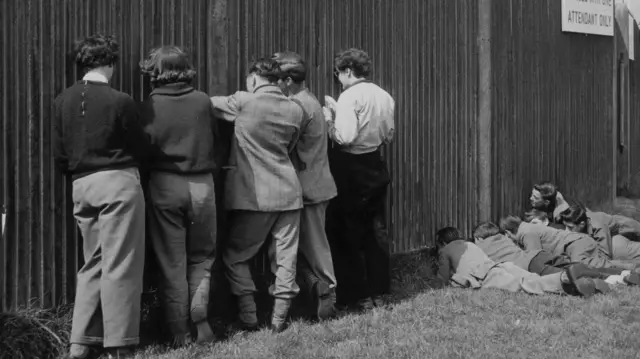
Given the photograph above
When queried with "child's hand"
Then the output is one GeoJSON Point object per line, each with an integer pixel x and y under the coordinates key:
{"type": "Point", "coordinates": [330, 102]}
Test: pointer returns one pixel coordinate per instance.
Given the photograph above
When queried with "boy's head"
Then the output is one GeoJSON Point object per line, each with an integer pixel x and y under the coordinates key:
{"type": "Point", "coordinates": [485, 230]}
{"type": "Point", "coordinates": [447, 235]}
{"type": "Point", "coordinates": [510, 226]}
{"type": "Point", "coordinates": [536, 216]}
{"type": "Point", "coordinates": [575, 218]}
{"type": "Point", "coordinates": [543, 196]}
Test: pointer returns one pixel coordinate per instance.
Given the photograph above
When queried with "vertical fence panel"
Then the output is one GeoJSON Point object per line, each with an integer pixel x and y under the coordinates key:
{"type": "Point", "coordinates": [552, 106]}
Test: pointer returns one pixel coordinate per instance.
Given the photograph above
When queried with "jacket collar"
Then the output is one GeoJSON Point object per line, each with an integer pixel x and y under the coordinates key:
{"type": "Point", "coordinates": [176, 89]}
{"type": "Point", "coordinates": [268, 88]}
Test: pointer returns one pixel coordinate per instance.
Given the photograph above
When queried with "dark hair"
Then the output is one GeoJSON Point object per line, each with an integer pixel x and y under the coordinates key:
{"type": "Point", "coordinates": [576, 213]}
{"type": "Point", "coordinates": [96, 51]}
{"type": "Point", "coordinates": [447, 235]}
{"type": "Point", "coordinates": [167, 65]}
{"type": "Point", "coordinates": [291, 65]}
{"type": "Point", "coordinates": [355, 59]}
{"type": "Point", "coordinates": [267, 68]}
{"type": "Point", "coordinates": [535, 213]}
{"type": "Point", "coordinates": [548, 191]}
{"type": "Point", "coordinates": [485, 230]}
{"type": "Point", "coordinates": [510, 223]}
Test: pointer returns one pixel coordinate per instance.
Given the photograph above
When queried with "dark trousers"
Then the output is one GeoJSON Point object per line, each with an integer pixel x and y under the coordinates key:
{"type": "Point", "coordinates": [356, 226]}
{"type": "Point", "coordinates": [546, 263]}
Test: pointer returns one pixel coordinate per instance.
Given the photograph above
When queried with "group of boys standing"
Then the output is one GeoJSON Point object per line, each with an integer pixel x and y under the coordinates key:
{"type": "Point", "coordinates": [561, 247]}
{"type": "Point", "coordinates": [289, 157]}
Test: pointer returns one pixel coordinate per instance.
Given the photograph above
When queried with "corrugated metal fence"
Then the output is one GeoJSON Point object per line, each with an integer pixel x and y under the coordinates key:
{"type": "Point", "coordinates": [552, 106]}
{"type": "Point", "coordinates": [40, 254]}
{"type": "Point", "coordinates": [423, 58]}
{"type": "Point", "coordinates": [552, 103]}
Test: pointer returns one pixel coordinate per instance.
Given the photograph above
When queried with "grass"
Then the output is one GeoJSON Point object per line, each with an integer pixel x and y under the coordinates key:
{"type": "Point", "coordinates": [423, 321]}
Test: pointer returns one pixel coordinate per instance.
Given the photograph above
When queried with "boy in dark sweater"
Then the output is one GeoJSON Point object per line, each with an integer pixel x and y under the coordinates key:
{"type": "Point", "coordinates": [99, 142]}
{"type": "Point", "coordinates": [182, 208]}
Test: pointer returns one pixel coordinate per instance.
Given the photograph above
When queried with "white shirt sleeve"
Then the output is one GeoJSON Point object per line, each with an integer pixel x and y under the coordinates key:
{"type": "Point", "coordinates": [345, 129]}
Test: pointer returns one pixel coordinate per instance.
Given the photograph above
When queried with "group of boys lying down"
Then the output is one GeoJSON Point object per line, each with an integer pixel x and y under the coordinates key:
{"type": "Point", "coordinates": [560, 247]}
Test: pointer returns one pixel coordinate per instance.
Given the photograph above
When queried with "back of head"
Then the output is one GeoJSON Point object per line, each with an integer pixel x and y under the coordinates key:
{"type": "Point", "coordinates": [355, 59]}
{"type": "Point", "coordinates": [485, 230]}
{"type": "Point", "coordinates": [510, 223]}
{"type": "Point", "coordinates": [291, 66]}
{"type": "Point", "coordinates": [265, 68]}
{"type": "Point", "coordinates": [576, 213]}
{"type": "Point", "coordinates": [96, 51]}
{"type": "Point", "coordinates": [447, 235]}
{"type": "Point", "coordinates": [167, 65]}
{"type": "Point", "coordinates": [536, 214]}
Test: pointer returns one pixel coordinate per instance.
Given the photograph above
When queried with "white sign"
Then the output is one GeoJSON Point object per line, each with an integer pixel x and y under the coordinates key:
{"type": "Point", "coordinates": [588, 16]}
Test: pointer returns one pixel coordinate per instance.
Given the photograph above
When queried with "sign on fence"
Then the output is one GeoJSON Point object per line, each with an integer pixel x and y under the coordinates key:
{"type": "Point", "coordinates": [588, 16]}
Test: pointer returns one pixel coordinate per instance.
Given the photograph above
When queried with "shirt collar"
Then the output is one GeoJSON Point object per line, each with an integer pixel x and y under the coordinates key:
{"type": "Point", "coordinates": [175, 89]}
{"type": "Point", "coordinates": [95, 77]}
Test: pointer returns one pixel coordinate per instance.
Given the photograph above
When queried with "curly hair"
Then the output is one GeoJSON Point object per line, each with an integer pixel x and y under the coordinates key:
{"type": "Point", "coordinates": [355, 59]}
{"type": "Point", "coordinates": [167, 65]}
{"type": "Point", "coordinates": [267, 68]}
{"type": "Point", "coordinates": [96, 51]}
{"type": "Point", "coordinates": [291, 65]}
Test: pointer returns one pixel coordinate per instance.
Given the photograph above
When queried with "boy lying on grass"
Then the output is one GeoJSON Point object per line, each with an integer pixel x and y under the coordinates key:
{"type": "Point", "coordinates": [499, 248]}
{"type": "Point", "coordinates": [464, 264]}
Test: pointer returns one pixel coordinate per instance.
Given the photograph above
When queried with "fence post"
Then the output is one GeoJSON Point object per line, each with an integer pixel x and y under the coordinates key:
{"type": "Point", "coordinates": [485, 89]}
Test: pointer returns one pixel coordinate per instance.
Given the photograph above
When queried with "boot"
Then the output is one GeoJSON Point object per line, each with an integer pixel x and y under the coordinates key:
{"type": "Point", "coordinates": [580, 270]}
{"type": "Point", "coordinates": [279, 315]}
{"type": "Point", "coordinates": [247, 315]}
{"type": "Point", "coordinates": [325, 299]}
{"type": "Point", "coordinates": [601, 286]}
{"type": "Point", "coordinates": [632, 279]}
{"type": "Point", "coordinates": [585, 287]}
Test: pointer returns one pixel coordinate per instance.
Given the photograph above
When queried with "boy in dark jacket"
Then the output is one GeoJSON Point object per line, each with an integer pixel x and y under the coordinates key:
{"type": "Point", "coordinates": [182, 208]}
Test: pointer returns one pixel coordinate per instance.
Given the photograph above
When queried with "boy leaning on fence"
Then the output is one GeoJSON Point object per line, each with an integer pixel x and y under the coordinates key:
{"type": "Point", "coordinates": [99, 142]}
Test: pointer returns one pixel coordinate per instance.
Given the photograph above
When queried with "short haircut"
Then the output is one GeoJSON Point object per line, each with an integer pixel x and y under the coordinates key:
{"type": "Point", "coordinates": [167, 65]}
{"type": "Point", "coordinates": [547, 190]}
{"type": "Point", "coordinates": [485, 230]}
{"type": "Point", "coordinates": [447, 235]}
{"type": "Point", "coordinates": [267, 68]}
{"type": "Point", "coordinates": [355, 59]}
{"type": "Point", "coordinates": [510, 223]}
{"type": "Point", "coordinates": [535, 214]}
{"type": "Point", "coordinates": [576, 213]}
{"type": "Point", "coordinates": [96, 51]}
{"type": "Point", "coordinates": [291, 65]}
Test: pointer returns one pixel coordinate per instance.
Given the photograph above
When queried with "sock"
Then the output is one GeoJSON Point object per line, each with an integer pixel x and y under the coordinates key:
{"type": "Point", "coordinates": [564, 278]}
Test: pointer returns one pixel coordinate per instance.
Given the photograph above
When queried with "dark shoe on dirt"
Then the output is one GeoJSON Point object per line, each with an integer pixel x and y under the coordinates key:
{"type": "Point", "coordinates": [585, 287]}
